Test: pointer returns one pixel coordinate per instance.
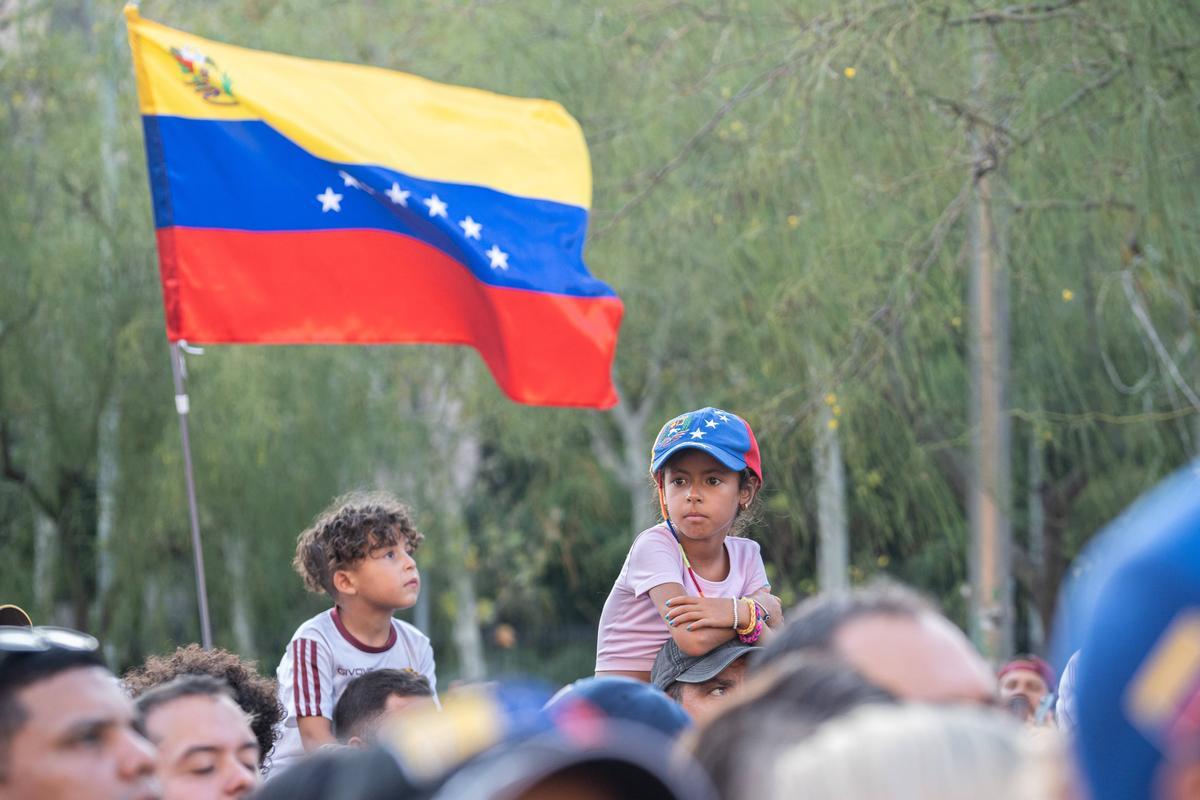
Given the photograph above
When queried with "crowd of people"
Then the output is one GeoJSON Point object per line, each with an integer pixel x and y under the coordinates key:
{"type": "Point", "coordinates": [704, 687]}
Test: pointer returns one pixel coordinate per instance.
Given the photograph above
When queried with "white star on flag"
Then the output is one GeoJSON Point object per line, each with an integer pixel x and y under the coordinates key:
{"type": "Point", "coordinates": [330, 200]}
{"type": "Point", "coordinates": [698, 434]}
{"type": "Point", "coordinates": [398, 195]}
{"type": "Point", "coordinates": [436, 207]}
{"type": "Point", "coordinates": [471, 228]}
{"type": "Point", "coordinates": [498, 257]}
{"type": "Point", "coordinates": [723, 417]}
{"type": "Point", "coordinates": [709, 424]}
{"type": "Point", "coordinates": [349, 180]}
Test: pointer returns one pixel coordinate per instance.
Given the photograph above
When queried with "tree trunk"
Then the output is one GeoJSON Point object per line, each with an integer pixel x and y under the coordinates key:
{"type": "Point", "coordinates": [1037, 543]}
{"type": "Point", "coordinates": [833, 541]}
{"type": "Point", "coordinates": [988, 502]}
{"type": "Point", "coordinates": [452, 435]}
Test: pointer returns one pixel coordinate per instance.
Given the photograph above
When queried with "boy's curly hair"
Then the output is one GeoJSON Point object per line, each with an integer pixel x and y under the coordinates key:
{"type": "Point", "coordinates": [344, 533]}
{"type": "Point", "coordinates": [255, 694]}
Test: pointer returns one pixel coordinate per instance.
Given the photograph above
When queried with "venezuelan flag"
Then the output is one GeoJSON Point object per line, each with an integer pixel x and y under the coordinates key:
{"type": "Point", "coordinates": [301, 201]}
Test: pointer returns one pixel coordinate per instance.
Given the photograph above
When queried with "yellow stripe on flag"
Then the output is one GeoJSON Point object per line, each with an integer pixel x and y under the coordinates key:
{"type": "Point", "coordinates": [356, 114]}
{"type": "Point", "coordinates": [1166, 676]}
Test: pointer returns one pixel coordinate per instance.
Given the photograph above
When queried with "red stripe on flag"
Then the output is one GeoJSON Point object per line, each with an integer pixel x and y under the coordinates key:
{"type": "Point", "coordinates": [377, 287]}
{"type": "Point", "coordinates": [316, 676]}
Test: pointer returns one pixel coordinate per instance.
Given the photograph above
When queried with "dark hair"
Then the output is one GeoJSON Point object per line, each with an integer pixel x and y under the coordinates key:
{"type": "Point", "coordinates": [256, 695]}
{"type": "Point", "coordinates": [182, 686]}
{"type": "Point", "coordinates": [813, 623]}
{"type": "Point", "coordinates": [364, 698]}
{"type": "Point", "coordinates": [21, 670]}
{"type": "Point", "coordinates": [780, 706]}
{"type": "Point", "coordinates": [675, 691]}
{"type": "Point", "coordinates": [346, 531]}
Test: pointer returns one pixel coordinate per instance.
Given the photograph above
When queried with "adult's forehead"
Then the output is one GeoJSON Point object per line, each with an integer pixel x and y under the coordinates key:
{"type": "Point", "coordinates": [920, 657]}
{"type": "Point", "coordinates": [73, 694]}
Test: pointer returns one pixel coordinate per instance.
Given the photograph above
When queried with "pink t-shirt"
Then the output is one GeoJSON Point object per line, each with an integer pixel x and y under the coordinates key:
{"type": "Point", "coordinates": [631, 629]}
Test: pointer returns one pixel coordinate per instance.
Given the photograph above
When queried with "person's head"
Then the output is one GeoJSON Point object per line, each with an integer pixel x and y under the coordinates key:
{"type": "Point", "coordinates": [1133, 613]}
{"type": "Point", "coordinates": [255, 694]}
{"type": "Point", "coordinates": [373, 697]}
{"type": "Point", "coordinates": [361, 550]}
{"type": "Point", "coordinates": [66, 728]}
{"type": "Point", "coordinates": [914, 750]}
{"type": "Point", "coordinates": [700, 684]}
{"type": "Point", "coordinates": [206, 749]}
{"type": "Point", "coordinates": [707, 470]}
{"type": "Point", "coordinates": [894, 638]}
{"type": "Point", "coordinates": [1026, 676]}
{"type": "Point", "coordinates": [779, 704]}
{"type": "Point", "coordinates": [623, 700]}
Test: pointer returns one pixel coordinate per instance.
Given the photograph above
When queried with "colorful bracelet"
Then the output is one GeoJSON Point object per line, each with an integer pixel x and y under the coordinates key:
{"type": "Point", "coordinates": [751, 618]}
{"type": "Point", "coordinates": [755, 631]}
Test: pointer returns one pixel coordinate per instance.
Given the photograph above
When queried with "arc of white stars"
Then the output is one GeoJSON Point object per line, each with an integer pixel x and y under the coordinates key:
{"type": "Point", "coordinates": [330, 200]}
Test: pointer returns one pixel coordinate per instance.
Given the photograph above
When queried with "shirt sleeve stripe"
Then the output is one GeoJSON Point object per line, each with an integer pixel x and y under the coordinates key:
{"type": "Point", "coordinates": [302, 673]}
{"type": "Point", "coordinates": [316, 675]}
{"type": "Point", "coordinates": [295, 680]}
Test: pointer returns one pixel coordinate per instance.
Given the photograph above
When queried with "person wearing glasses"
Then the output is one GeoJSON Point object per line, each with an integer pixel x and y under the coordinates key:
{"type": "Point", "coordinates": [66, 728]}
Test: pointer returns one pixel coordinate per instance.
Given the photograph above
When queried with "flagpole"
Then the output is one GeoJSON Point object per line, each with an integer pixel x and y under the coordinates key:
{"type": "Point", "coordinates": [179, 371]}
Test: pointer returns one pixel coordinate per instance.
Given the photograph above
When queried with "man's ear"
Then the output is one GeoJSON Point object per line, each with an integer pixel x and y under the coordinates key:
{"type": "Point", "coordinates": [343, 582]}
{"type": "Point", "coordinates": [355, 741]}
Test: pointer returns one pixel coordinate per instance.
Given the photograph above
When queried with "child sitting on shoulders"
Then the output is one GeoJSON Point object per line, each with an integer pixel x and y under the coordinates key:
{"type": "Point", "coordinates": [360, 553]}
{"type": "Point", "coordinates": [691, 577]}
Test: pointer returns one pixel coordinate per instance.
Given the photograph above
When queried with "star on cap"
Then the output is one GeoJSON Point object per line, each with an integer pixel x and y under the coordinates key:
{"type": "Point", "coordinates": [471, 228]}
{"type": "Point", "coordinates": [698, 434]}
{"type": "Point", "coordinates": [498, 257]}
{"type": "Point", "coordinates": [398, 195]}
{"type": "Point", "coordinates": [708, 423]}
{"type": "Point", "coordinates": [436, 207]}
{"type": "Point", "coordinates": [330, 200]}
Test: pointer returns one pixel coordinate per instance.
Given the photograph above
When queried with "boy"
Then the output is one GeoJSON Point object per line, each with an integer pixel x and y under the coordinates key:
{"type": "Point", "coordinates": [359, 552]}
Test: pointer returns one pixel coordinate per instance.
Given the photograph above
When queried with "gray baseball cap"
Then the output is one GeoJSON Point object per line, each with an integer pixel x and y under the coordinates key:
{"type": "Point", "coordinates": [672, 665]}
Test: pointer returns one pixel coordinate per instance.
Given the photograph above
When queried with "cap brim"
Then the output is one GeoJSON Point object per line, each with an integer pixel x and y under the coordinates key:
{"type": "Point", "coordinates": [712, 664]}
{"type": "Point", "coordinates": [727, 459]}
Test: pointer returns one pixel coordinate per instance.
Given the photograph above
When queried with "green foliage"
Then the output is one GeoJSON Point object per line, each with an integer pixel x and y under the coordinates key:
{"type": "Point", "coordinates": [779, 200]}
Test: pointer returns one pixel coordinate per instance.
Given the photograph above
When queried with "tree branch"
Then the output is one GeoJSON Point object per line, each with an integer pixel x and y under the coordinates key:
{"type": "Point", "coordinates": [1036, 12]}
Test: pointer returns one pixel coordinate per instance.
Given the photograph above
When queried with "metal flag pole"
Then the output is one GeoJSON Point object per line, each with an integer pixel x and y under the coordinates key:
{"type": "Point", "coordinates": [179, 370]}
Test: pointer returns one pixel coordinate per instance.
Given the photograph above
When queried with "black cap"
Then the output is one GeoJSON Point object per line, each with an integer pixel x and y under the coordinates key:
{"type": "Point", "coordinates": [672, 665]}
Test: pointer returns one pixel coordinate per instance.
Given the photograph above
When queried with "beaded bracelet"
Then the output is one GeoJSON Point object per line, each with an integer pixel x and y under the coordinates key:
{"type": "Point", "coordinates": [751, 615]}
{"type": "Point", "coordinates": [756, 631]}
{"type": "Point", "coordinates": [735, 614]}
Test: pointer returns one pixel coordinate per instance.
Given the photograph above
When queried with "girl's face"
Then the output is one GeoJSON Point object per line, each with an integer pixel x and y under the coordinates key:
{"type": "Point", "coordinates": [702, 495]}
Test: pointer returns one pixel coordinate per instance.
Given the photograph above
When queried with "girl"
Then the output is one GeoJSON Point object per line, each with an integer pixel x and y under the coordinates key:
{"type": "Point", "coordinates": [691, 577]}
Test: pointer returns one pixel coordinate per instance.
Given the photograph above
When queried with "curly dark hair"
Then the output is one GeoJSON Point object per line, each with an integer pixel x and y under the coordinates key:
{"type": "Point", "coordinates": [255, 694]}
{"type": "Point", "coordinates": [344, 533]}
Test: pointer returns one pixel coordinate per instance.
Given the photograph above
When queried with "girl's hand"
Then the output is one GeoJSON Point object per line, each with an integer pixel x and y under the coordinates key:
{"type": "Point", "coordinates": [692, 613]}
{"type": "Point", "coordinates": [773, 606]}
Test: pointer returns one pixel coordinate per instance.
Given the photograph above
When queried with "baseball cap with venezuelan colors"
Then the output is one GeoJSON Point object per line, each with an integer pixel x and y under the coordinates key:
{"type": "Point", "coordinates": [724, 436]}
{"type": "Point", "coordinates": [1134, 615]}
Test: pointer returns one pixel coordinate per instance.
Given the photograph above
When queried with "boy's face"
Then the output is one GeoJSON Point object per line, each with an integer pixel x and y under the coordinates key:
{"type": "Point", "coordinates": [386, 578]}
{"type": "Point", "coordinates": [702, 495]}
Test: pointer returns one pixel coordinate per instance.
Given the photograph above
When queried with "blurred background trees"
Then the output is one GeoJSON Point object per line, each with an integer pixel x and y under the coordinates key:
{"type": "Point", "coordinates": [784, 196]}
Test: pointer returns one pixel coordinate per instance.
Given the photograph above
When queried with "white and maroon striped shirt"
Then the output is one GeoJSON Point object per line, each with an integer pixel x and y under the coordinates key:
{"type": "Point", "coordinates": [322, 658]}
